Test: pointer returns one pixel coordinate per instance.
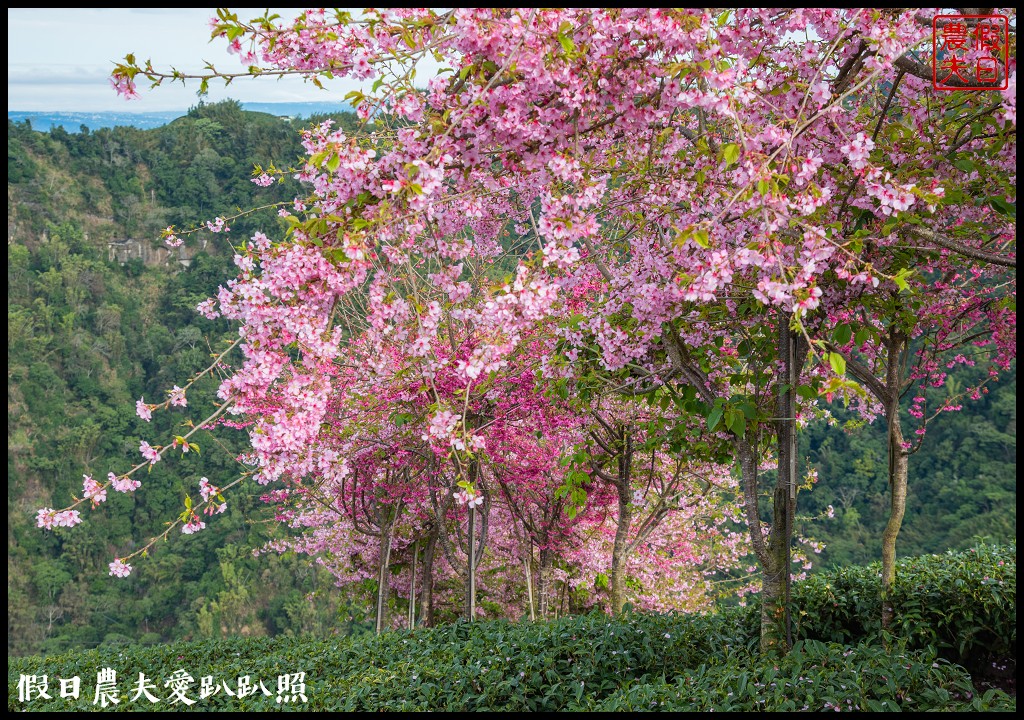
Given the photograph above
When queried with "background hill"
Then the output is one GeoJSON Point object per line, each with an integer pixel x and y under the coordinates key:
{"type": "Point", "coordinates": [74, 121]}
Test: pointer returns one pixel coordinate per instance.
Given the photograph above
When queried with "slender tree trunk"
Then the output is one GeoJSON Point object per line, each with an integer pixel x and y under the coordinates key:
{"type": "Point", "coordinates": [617, 580]}
{"type": "Point", "coordinates": [897, 341]}
{"type": "Point", "coordinates": [898, 463]}
{"type": "Point", "coordinates": [775, 581]}
{"type": "Point", "coordinates": [771, 555]}
{"type": "Point", "coordinates": [562, 600]}
{"type": "Point", "coordinates": [471, 575]}
{"type": "Point", "coordinates": [412, 585]}
{"type": "Point", "coordinates": [382, 576]}
{"type": "Point", "coordinates": [776, 617]}
{"type": "Point", "coordinates": [427, 594]}
{"type": "Point", "coordinates": [896, 346]}
{"type": "Point", "coordinates": [528, 571]}
{"type": "Point", "coordinates": [544, 584]}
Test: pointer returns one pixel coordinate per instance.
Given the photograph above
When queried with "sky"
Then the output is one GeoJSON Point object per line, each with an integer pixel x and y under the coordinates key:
{"type": "Point", "coordinates": [60, 59]}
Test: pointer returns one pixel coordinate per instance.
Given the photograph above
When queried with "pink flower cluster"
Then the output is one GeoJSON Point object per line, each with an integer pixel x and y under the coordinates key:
{"type": "Point", "coordinates": [123, 484]}
{"type": "Point", "coordinates": [119, 568]}
{"type": "Point", "coordinates": [177, 396]}
{"type": "Point", "coordinates": [468, 498]}
{"type": "Point", "coordinates": [48, 518]}
{"type": "Point", "coordinates": [193, 525]}
{"type": "Point", "coordinates": [93, 490]}
{"type": "Point", "coordinates": [858, 150]}
{"type": "Point", "coordinates": [150, 453]}
{"type": "Point", "coordinates": [217, 225]}
{"type": "Point", "coordinates": [209, 491]}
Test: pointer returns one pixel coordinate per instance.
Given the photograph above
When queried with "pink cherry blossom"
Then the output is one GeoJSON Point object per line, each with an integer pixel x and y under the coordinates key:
{"type": "Point", "coordinates": [177, 396]}
{"type": "Point", "coordinates": [149, 453]}
{"type": "Point", "coordinates": [119, 568]}
{"type": "Point", "coordinates": [93, 490]}
{"type": "Point", "coordinates": [123, 484]}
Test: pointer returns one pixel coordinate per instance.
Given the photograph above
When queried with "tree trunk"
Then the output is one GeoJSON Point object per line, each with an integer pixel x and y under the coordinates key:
{"type": "Point", "coordinates": [544, 584]}
{"type": "Point", "coordinates": [471, 574]}
{"type": "Point", "coordinates": [528, 572]}
{"type": "Point", "coordinates": [412, 584]}
{"type": "Point", "coordinates": [898, 462]}
{"type": "Point", "coordinates": [617, 579]}
{"type": "Point", "coordinates": [896, 347]}
{"type": "Point", "coordinates": [772, 566]}
{"type": "Point", "coordinates": [426, 612]}
{"type": "Point", "coordinates": [776, 618]}
{"type": "Point", "coordinates": [382, 575]}
{"type": "Point", "coordinates": [775, 582]}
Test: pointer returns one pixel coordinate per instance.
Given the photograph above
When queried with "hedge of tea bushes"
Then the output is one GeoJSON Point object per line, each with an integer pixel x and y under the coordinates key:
{"type": "Point", "coordinates": [955, 603]}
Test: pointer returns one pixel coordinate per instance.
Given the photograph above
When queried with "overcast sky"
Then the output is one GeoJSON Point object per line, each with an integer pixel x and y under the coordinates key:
{"type": "Point", "coordinates": [61, 58]}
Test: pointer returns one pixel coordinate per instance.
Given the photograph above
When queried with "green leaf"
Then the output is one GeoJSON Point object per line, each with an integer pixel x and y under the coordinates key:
{"type": "Point", "coordinates": [714, 419]}
{"type": "Point", "coordinates": [1002, 207]}
{"type": "Point", "coordinates": [842, 334]}
{"type": "Point", "coordinates": [838, 363]}
{"type": "Point", "coordinates": [807, 392]}
{"type": "Point", "coordinates": [900, 279]}
{"type": "Point", "coordinates": [735, 422]}
{"type": "Point", "coordinates": [730, 153]}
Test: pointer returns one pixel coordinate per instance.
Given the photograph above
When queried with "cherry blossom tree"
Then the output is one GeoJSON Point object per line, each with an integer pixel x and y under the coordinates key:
{"type": "Point", "coordinates": [693, 197]}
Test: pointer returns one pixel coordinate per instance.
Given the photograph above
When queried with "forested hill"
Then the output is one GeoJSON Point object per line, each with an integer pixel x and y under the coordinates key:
{"type": "Point", "coordinates": [88, 336]}
{"type": "Point", "coordinates": [100, 314]}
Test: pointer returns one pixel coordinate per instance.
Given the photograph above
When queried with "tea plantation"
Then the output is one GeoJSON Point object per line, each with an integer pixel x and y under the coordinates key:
{"type": "Point", "coordinates": [955, 650]}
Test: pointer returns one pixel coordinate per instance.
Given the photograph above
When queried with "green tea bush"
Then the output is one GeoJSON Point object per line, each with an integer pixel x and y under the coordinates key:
{"type": "Point", "coordinates": [635, 661]}
{"type": "Point", "coordinates": [816, 677]}
{"type": "Point", "coordinates": [963, 603]}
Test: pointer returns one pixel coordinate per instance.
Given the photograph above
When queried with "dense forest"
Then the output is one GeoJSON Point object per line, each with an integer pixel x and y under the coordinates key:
{"type": "Point", "coordinates": [89, 334]}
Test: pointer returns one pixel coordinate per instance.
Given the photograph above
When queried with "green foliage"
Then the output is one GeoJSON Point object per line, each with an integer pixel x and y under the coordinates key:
{"type": "Point", "coordinates": [962, 483]}
{"type": "Point", "coordinates": [963, 603]}
{"type": "Point", "coordinates": [87, 338]}
{"type": "Point", "coordinates": [816, 677]}
{"type": "Point", "coordinates": [592, 662]}
{"type": "Point", "coordinates": [124, 182]}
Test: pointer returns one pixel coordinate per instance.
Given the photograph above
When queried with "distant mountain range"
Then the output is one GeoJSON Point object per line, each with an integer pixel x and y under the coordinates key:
{"type": "Point", "coordinates": [74, 121]}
